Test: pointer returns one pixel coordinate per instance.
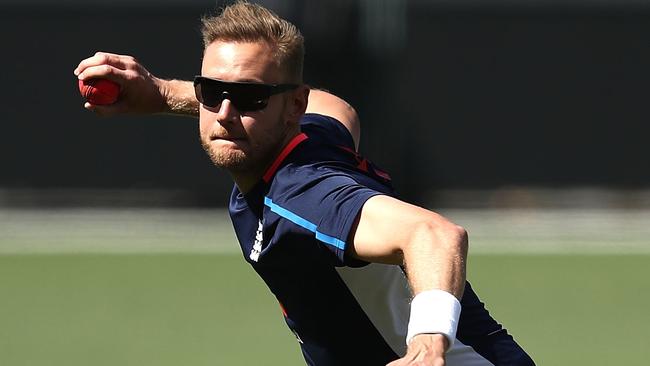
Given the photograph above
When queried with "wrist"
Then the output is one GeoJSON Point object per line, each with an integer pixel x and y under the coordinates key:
{"type": "Point", "coordinates": [165, 94]}
{"type": "Point", "coordinates": [430, 341]}
{"type": "Point", "coordinates": [177, 97]}
{"type": "Point", "coordinates": [434, 312]}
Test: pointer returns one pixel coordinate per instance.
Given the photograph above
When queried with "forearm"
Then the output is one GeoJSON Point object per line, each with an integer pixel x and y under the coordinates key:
{"type": "Point", "coordinates": [179, 97]}
{"type": "Point", "coordinates": [432, 248]}
{"type": "Point", "coordinates": [433, 251]}
{"type": "Point", "coordinates": [435, 256]}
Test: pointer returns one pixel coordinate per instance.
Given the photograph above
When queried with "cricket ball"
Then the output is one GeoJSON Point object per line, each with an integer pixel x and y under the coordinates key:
{"type": "Point", "coordinates": [99, 91]}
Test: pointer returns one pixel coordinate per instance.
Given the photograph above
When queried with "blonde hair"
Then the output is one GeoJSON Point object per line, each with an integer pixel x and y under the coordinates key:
{"type": "Point", "coordinates": [246, 22]}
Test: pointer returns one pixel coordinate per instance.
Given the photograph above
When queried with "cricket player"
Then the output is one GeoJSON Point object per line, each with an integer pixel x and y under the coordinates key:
{"type": "Point", "coordinates": [362, 277]}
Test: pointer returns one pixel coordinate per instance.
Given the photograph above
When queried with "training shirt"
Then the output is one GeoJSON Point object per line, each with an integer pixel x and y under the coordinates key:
{"type": "Point", "coordinates": [293, 228]}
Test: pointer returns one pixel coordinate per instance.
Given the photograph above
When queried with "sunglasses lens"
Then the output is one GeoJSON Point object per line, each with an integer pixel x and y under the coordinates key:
{"type": "Point", "coordinates": [248, 100]}
{"type": "Point", "coordinates": [207, 93]}
{"type": "Point", "coordinates": [246, 97]}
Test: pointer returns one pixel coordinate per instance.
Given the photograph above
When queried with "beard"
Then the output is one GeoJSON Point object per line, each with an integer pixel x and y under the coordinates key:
{"type": "Point", "coordinates": [254, 155]}
{"type": "Point", "coordinates": [231, 160]}
{"type": "Point", "coordinates": [255, 158]}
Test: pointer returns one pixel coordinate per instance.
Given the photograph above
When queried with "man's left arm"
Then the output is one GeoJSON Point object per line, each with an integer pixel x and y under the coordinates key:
{"type": "Point", "coordinates": [433, 251]}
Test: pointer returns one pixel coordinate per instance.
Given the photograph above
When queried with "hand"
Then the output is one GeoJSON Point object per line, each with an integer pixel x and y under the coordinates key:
{"type": "Point", "coordinates": [140, 91]}
{"type": "Point", "coordinates": [424, 350]}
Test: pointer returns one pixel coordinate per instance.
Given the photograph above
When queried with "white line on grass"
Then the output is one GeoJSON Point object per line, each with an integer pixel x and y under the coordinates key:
{"type": "Point", "coordinates": [556, 231]}
{"type": "Point", "coordinates": [124, 231]}
{"type": "Point", "coordinates": [116, 231]}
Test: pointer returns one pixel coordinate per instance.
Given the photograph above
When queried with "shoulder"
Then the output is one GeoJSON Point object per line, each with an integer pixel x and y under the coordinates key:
{"type": "Point", "coordinates": [320, 199]}
{"type": "Point", "coordinates": [326, 129]}
{"type": "Point", "coordinates": [310, 185]}
{"type": "Point", "coordinates": [304, 179]}
{"type": "Point", "coordinates": [327, 156]}
{"type": "Point", "coordinates": [324, 103]}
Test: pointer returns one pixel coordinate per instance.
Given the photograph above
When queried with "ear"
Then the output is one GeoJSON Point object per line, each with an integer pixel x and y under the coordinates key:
{"type": "Point", "coordinates": [297, 104]}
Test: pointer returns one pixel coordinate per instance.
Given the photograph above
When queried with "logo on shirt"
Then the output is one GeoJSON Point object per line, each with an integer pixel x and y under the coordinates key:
{"type": "Point", "coordinates": [297, 336]}
{"type": "Point", "coordinates": [257, 246]}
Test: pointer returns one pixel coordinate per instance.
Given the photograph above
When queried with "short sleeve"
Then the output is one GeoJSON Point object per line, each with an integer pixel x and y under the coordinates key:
{"type": "Point", "coordinates": [326, 130]}
{"type": "Point", "coordinates": [324, 202]}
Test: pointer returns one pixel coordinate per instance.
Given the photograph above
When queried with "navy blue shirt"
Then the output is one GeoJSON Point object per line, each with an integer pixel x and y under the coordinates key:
{"type": "Point", "coordinates": [293, 228]}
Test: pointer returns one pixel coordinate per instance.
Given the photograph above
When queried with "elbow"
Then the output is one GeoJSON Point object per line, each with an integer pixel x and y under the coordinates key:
{"type": "Point", "coordinates": [455, 238]}
{"type": "Point", "coordinates": [462, 239]}
{"type": "Point", "coordinates": [443, 235]}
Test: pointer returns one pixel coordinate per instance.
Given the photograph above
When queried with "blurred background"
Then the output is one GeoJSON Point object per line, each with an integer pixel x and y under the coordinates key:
{"type": "Point", "coordinates": [524, 121]}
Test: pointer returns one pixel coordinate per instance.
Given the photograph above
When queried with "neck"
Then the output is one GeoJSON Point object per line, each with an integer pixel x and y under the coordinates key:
{"type": "Point", "coordinates": [244, 183]}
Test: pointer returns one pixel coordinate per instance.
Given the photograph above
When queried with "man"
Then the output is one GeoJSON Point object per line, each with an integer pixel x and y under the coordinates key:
{"type": "Point", "coordinates": [317, 221]}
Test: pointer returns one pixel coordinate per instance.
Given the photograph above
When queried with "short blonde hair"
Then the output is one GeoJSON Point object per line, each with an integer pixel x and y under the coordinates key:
{"type": "Point", "coordinates": [246, 22]}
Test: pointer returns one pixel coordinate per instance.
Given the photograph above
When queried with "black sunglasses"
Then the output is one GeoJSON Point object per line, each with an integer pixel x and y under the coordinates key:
{"type": "Point", "coordinates": [245, 96]}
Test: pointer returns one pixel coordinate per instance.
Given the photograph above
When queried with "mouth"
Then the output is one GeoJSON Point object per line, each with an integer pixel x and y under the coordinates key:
{"type": "Point", "coordinates": [224, 138]}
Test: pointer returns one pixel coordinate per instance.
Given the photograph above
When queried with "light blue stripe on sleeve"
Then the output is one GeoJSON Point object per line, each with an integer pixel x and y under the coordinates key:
{"type": "Point", "coordinates": [283, 212]}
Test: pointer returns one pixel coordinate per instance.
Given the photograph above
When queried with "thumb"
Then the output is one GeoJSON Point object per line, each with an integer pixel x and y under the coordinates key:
{"type": "Point", "coordinates": [106, 110]}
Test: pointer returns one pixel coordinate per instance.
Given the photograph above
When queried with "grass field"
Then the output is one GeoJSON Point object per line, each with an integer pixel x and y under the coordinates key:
{"type": "Point", "coordinates": [126, 301]}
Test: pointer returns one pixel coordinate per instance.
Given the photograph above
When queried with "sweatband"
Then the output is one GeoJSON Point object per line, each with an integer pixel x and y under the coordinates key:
{"type": "Point", "coordinates": [434, 312]}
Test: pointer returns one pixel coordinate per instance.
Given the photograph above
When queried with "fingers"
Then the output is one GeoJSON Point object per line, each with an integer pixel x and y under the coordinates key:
{"type": "Point", "coordinates": [139, 91]}
{"type": "Point", "coordinates": [105, 65]}
{"type": "Point", "coordinates": [98, 109]}
{"type": "Point", "coordinates": [100, 58]}
{"type": "Point", "coordinates": [106, 110]}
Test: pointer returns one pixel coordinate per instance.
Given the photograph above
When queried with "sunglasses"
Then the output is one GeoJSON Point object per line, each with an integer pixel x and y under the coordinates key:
{"type": "Point", "coordinates": [245, 96]}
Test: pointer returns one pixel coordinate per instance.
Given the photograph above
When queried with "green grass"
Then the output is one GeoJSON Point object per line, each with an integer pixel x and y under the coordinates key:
{"type": "Point", "coordinates": [570, 310]}
{"type": "Point", "coordinates": [211, 309]}
{"type": "Point", "coordinates": [138, 310]}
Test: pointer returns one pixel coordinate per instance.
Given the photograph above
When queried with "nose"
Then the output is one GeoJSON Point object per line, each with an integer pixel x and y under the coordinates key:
{"type": "Point", "coordinates": [227, 111]}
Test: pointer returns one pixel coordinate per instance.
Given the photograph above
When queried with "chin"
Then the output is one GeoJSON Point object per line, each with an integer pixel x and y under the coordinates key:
{"type": "Point", "coordinates": [225, 157]}
{"type": "Point", "coordinates": [233, 161]}
{"type": "Point", "coordinates": [229, 161]}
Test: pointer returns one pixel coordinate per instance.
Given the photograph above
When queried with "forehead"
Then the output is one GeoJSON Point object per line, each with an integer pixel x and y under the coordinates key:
{"type": "Point", "coordinates": [240, 61]}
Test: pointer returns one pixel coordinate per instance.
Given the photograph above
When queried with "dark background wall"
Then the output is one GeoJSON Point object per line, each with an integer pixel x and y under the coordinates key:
{"type": "Point", "coordinates": [449, 96]}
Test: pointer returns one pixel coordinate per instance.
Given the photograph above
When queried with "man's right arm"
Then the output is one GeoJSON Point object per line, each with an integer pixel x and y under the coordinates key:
{"type": "Point", "coordinates": [140, 91]}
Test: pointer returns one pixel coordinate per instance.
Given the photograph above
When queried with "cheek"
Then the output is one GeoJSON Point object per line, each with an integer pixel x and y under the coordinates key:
{"type": "Point", "coordinates": [268, 135]}
{"type": "Point", "coordinates": [251, 126]}
{"type": "Point", "coordinates": [204, 122]}
{"type": "Point", "coordinates": [202, 128]}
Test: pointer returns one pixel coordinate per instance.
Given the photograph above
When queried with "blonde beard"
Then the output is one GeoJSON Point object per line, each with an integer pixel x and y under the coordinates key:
{"type": "Point", "coordinates": [238, 161]}
{"type": "Point", "coordinates": [231, 161]}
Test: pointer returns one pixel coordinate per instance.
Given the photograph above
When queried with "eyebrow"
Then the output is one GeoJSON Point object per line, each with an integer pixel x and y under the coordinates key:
{"type": "Point", "coordinates": [244, 80]}
{"type": "Point", "coordinates": [253, 81]}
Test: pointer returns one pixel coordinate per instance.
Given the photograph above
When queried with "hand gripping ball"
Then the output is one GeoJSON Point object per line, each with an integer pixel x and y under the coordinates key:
{"type": "Point", "coordinates": [99, 91]}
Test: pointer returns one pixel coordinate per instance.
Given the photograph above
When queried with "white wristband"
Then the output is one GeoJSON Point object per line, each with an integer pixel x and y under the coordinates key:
{"type": "Point", "coordinates": [434, 311]}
